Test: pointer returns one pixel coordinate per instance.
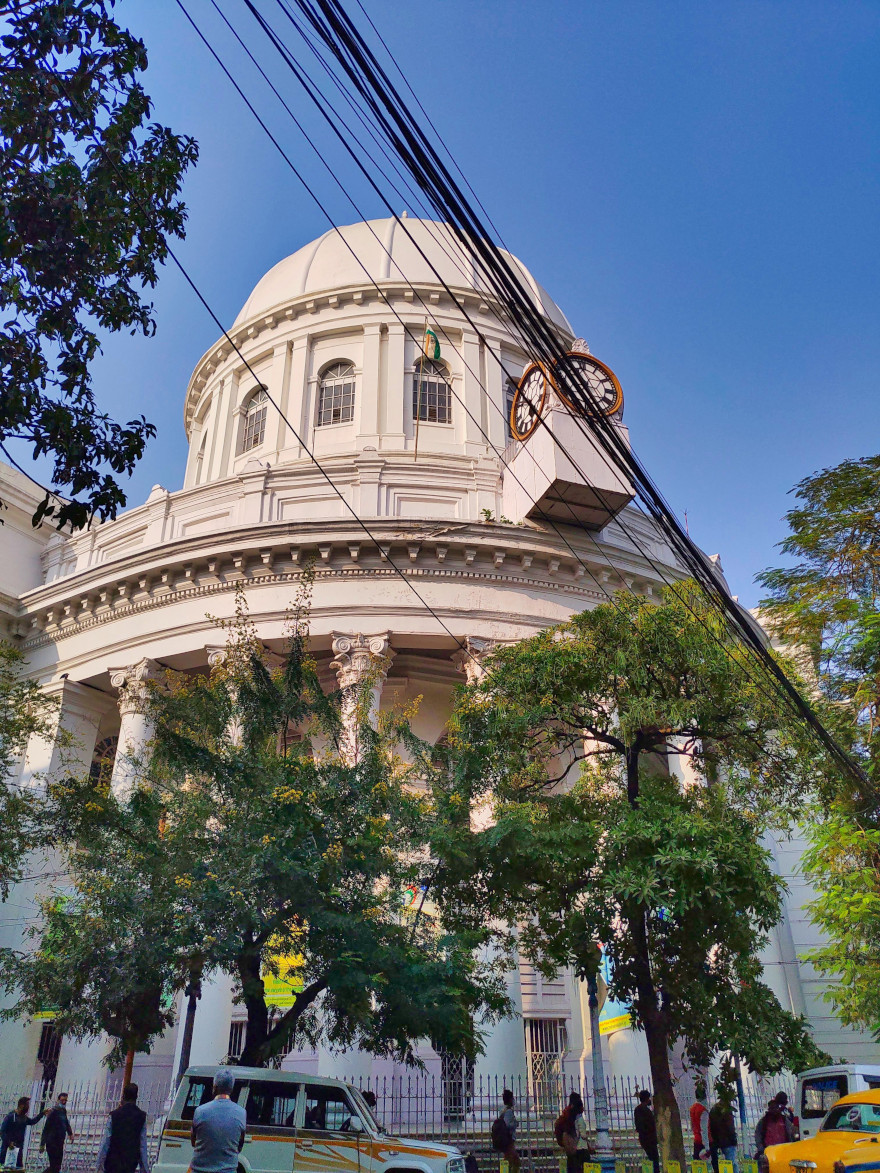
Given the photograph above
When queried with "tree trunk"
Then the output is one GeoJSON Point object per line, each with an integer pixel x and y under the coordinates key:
{"type": "Point", "coordinates": [253, 996]}
{"type": "Point", "coordinates": [653, 1019]}
{"type": "Point", "coordinates": [651, 1015]}
{"type": "Point", "coordinates": [127, 1070]}
{"type": "Point", "coordinates": [193, 992]}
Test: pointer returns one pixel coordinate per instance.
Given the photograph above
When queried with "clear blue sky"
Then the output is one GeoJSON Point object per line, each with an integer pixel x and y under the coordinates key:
{"type": "Point", "coordinates": [696, 185]}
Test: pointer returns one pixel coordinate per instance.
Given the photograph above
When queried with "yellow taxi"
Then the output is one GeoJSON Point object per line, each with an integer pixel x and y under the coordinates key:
{"type": "Point", "coordinates": [848, 1141]}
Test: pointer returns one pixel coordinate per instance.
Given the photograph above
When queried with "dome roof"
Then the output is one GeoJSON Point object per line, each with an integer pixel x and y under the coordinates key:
{"type": "Point", "coordinates": [381, 250]}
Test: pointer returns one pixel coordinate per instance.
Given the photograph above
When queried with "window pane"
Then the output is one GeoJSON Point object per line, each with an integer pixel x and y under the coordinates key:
{"type": "Point", "coordinates": [327, 1109]}
{"type": "Point", "coordinates": [432, 397]}
{"type": "Point", "coordinates": [272, 1104]}
{"type": "Point", "coordinates": [336, 395]}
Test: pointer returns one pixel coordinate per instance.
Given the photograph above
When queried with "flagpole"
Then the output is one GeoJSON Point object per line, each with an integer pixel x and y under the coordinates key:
{"type": "Point", "coordinates": [419, 371]}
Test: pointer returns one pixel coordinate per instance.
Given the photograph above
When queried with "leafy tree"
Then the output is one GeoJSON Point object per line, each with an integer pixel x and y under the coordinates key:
{"type": "Point", "coordinates": [569, 735]}
{"type": "Point", "coordinates": [274, 845]}
{"type": "Point", "coordinates": [24, 711]}
{"type": "Point", "coordinates": [825, 605]}
{"type": "Point", "coordinates": [88, 194]}
{"type": "Point", "coordinates": [105, 956]}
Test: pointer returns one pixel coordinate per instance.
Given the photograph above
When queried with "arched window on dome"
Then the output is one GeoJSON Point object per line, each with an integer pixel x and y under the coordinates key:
{"type": "Point", "coordinates": [336, 394]}
{"type": "Point", "coordinates": [432, 395]}
{"type": "Point", "coordinates": [509, 393]}
{"type": "Point", "coordinates": [254, 422]}
{"type": "Point", "coordinates": [200, 459]}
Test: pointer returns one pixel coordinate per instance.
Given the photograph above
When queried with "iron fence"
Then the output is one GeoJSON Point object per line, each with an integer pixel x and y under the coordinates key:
{"type": "Point", "coordinates": [457, 1107]}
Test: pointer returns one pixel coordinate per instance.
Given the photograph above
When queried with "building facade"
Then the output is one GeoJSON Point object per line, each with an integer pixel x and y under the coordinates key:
{"type": "Point", "coordinates": [420, 452]}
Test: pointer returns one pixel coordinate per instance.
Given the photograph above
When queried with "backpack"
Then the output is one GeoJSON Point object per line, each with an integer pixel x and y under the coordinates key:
{"type": "Point", "coordinates": [501, 1138]}
{"type": "Point", "coordinates": [564, 1133]}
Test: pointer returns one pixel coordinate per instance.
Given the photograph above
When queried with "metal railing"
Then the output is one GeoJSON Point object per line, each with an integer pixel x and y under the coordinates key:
{"type": "Point", "coordinates": [457, 1110]}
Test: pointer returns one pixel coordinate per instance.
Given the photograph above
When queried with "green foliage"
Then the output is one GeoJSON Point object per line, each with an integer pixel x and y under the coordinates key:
{"type": "Point", "coordinates": [273, 844]}
{"type": "Point", "coordinates": [88, 196]}
{"type": "Point", "coordinates": [569, 736]}
{"type": "Point", "coordinates": [826, 604]}
{"type": "Point", "coordinates": [24, 711]}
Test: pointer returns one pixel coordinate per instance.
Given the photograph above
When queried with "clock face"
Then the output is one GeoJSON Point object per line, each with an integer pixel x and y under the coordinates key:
{"type": "Point", "coordinates": [528, 401]}
{"type": "Point", "coordinates": [605, 391]}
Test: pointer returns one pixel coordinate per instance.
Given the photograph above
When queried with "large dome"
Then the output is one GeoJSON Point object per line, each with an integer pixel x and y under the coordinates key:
{"type": "Point", "coordinates": [381, 251]}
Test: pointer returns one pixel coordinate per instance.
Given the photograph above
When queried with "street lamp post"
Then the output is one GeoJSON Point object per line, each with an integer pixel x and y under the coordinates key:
{"type": "Point", "coordinates": [604, 1148]}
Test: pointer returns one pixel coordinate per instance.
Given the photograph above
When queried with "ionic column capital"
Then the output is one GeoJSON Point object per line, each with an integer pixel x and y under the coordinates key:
{"type": "Point", "coordinates": [358, 657]}
{"type": "Point", "coordinates": [131, 681]}
{"type": "Point", "coordinates": [469, 660]}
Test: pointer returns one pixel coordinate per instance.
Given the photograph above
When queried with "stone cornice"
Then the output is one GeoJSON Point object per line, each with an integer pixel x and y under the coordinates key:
{"type": "Point", "coordinates": [202, 566]}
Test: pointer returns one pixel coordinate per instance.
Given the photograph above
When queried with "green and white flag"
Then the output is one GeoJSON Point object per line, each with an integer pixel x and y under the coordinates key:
{"type": "Point", "coordinates": [431, 345]}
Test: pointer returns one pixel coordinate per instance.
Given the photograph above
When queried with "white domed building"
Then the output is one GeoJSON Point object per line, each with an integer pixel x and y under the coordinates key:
{"type": "Point", "coordinates": [420, 451]}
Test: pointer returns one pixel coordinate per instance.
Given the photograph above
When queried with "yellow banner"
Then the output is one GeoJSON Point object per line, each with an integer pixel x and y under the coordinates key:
{"type": "Point", "coordinates": [281, 991]}
{"type": "Point", "coordinates": [621, 1022]}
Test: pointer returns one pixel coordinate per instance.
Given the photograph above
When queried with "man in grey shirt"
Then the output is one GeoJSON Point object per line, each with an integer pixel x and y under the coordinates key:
{"type": "Point", "coordinates": [218, 1129]}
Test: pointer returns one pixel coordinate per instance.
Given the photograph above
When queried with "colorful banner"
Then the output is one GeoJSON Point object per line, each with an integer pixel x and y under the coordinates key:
{"type": "Point", "coordinates": [281, 991]}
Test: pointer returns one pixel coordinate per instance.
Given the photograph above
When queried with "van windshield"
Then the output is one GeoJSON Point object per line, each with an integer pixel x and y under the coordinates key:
{"type": "Point", "coordinates": [820, 1094]}
{"type": "Point", "coordinates": [853, 1118]}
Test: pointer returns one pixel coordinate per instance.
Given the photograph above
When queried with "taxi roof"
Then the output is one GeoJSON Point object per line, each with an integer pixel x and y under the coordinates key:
{"type": "Point", "coordinates": [865, 1097]}
{"type": "Point", "coordinates": [265, 1073]}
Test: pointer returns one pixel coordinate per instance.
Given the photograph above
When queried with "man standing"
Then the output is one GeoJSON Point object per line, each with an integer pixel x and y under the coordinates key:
{"type": "Point", "coordinates": [773, 1128]}
{"type": "Point", "coordinates": [124, 1143]}
{"type": "Point", "coordinates": [509, 1117]}
{"type": "Point", "coordinates": [722, 1129]}
{"type": "Point", "coordinates": [699, 1122]}
{"type": "Point", "coordinates": [56, 1130]}
{"type": "Point", "coordinates": [13, 1129]}
{"type": "Point", "coordinates": [646, 1127]}
{"type": "Point", "coordinates": [218, 1129]}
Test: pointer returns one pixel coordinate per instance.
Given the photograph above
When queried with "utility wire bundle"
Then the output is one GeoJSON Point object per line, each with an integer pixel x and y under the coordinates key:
{"type": "Point", "coordinates": [350, 65]}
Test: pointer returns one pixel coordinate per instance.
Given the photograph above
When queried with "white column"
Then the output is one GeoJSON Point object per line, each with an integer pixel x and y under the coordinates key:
{"type": "Point", "coordinates": [135, 728]}
{"type": "Point", "coordinates": [80, 709]}
{"type": "Point", "coordinates": [361, 662]}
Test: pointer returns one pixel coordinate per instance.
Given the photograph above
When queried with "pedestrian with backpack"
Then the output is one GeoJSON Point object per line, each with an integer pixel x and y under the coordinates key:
{"type": "Point", "coordinates": [504, 1132]}
{"type": "Point", "coordinates": [565, 1132]}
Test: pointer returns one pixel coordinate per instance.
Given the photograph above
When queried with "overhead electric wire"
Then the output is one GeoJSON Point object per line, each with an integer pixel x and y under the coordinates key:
{"type": "Point", "coordinates": [300, 76]}
{"type": "Point", "coordinates": [658, 569]}
{"type": "Point", "coordinates": [701, 565]}
{"type": "Point", "coordinates": [336, 29]}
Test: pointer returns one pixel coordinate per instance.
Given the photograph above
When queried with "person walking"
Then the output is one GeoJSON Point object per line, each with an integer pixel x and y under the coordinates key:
{"type": "Point", "coordinates": [575, 1163]}
{"type": "Point", "coordinates": [124, 1143]}
{"type": "Point", "coordinates": [646, 1129]}
{"type": "Point", "coordinates": [55, 1133]}
{"type": "Point", "coordinates": [699, 1115]}
{"type": "Point", "coordinates": [218, 1129]}
{"type": "Point", "coordinates": [781, 1099]}
{"type": "Point", "coordinates": [12, 1130]}
{"type": "Point", "coordinates": [508, 1116]}
{"type": "Point", "coordinates": [722, 1130]}
{"type": "Point", "coordinates": [772, 1128]}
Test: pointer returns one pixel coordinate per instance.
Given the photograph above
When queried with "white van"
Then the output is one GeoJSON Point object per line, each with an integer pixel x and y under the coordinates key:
{"type": "Point", "coordinates": [299, 1124]}
{"type": "Point", "coordinates": [819, 1089]}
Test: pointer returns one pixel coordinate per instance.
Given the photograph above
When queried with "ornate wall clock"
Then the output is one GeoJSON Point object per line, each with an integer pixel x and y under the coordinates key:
{"type": "Point", "coordinates": [529, 398]}
{"type": "Point", "coordinates": [602, 381]}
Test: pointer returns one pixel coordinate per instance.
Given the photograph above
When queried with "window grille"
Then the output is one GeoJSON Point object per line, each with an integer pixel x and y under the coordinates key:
{"type": "Point", "coordinates": [255, 421]}
{"type": "Point", "coordinates": [457, 1081]}
{"type": "Point", "coordinates": [336, 395]}
{"type": "Point", "coordinates": [432, 395]}
{"type": "Point", "coordinates": [49, 1045]}
{"type": "Point", "coordinates": [237, 1032]}
{"type": "Point", "coordinates": [546, 1044]}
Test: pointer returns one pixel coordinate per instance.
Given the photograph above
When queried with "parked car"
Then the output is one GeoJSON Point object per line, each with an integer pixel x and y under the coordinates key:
{"type": "Point", "coordinates": [847, 1141]}
{"type": "Point", "coordinates": [329, 1126]}
{"type": "Point", "coordinates": [819, 1089]}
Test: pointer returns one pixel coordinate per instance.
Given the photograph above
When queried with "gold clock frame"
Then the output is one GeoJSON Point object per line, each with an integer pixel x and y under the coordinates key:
{"type": "Point", "coordinates": [618, 399]}
{"type": "Point", "coordinates": [549, 382]}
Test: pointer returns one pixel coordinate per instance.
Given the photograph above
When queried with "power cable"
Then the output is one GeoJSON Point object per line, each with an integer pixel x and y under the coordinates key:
{"type": "Point", "coordinates": [620, 523]}
{"type": "Point", "coordinates": [336, 29]}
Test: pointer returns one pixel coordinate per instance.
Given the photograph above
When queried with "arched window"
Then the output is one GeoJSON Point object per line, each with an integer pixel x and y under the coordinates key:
{"type": "Point", "coordinates": [432, 395]}
{"type": "Point", "coordinates": [200, 458]}
{"type": "Point", "coordinates": [101, 769]}
{"type": "Point", "coordinates": [254, 428]}
{"type": "Point", "coordinates": [336, 394]}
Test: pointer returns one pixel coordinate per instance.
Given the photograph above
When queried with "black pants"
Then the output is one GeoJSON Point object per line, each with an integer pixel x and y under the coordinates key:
{"type": "Point", "coordinates": [55, 1153]}
{"type": "Point", "coordinates": [699, 1149]}
{"type": "Point", "coordinates": [653, 1154]}
{"type": "Point", "coordinates": [574, 1162]}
